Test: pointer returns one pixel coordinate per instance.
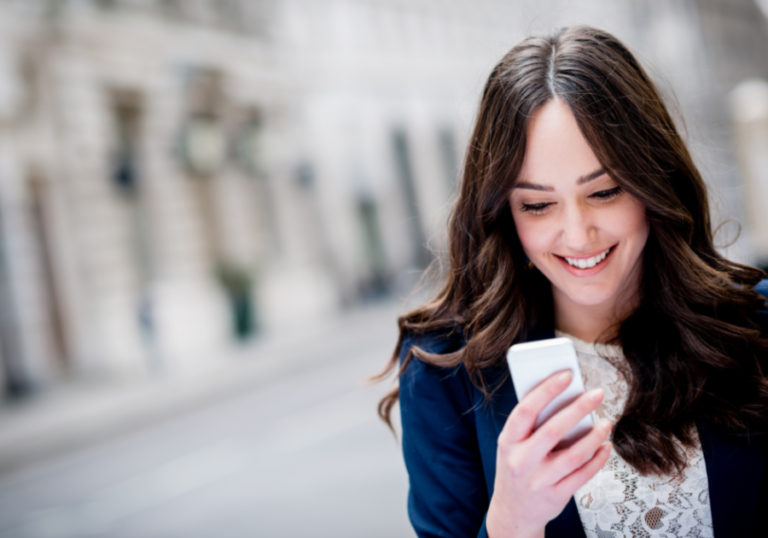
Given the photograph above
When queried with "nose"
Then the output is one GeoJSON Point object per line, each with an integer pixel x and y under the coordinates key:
{"type": "Point", "coordinates": [579, 230]}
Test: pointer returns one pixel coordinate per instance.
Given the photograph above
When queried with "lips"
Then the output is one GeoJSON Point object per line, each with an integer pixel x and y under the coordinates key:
{"type": "Point", "coordinates": [586, 263]}
{"type": "Point", "coordinates": [591, 265]}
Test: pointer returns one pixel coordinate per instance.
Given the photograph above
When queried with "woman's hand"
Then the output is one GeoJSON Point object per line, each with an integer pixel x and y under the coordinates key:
{"type": "Point", "coordinates": [533, 481]}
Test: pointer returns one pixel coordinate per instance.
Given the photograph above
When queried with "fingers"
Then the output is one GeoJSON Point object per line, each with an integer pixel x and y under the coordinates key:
{"type": "Point", "coordinates": [523, 418]}
{"type": "Point", "coordinates": [554, 429]}
{"type": "Point", "coordinates": [564, 462]}
{"type": "Point", "coordinates": [568, 485]}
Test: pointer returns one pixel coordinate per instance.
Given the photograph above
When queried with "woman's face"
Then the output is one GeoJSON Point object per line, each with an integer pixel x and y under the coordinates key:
{"type": "Point", "coordinates": [575, 223]}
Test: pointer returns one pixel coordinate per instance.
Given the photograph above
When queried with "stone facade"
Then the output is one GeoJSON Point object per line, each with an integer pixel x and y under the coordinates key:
{"type": "Point", "coordinates": [164, 163]}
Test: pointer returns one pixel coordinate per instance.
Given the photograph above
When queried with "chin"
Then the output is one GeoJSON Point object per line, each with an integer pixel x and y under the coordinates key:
{"type": "Point", "coordinates": [589, 295]}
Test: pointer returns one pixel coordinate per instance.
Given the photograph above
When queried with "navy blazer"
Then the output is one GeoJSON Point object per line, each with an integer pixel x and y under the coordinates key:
{"type": "Point", "coordinates": [449, 447]}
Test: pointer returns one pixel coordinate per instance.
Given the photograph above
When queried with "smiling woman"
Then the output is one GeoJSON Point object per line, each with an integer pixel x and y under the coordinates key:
{"type": "Point", "coordinates": [582, 214]}
{"type": "Point", "coordinates": [577, 225]}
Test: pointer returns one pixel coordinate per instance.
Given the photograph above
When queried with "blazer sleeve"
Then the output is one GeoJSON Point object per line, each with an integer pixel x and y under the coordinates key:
{"type": "Point", "coordinates": [448, 494]}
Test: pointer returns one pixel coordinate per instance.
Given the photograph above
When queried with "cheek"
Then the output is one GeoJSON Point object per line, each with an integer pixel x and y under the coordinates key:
{"type": "Point", "coordinates": [534, 235]}
{"type": "Point", "coordinates": [631, 224]}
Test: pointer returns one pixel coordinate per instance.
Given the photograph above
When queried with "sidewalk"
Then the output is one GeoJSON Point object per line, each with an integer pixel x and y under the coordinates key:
{"type": "Point", "coordinates": [78, 414]}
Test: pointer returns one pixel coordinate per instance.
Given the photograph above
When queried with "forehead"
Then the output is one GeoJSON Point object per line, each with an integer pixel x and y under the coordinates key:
{"type": "Point", "coordinates": [556, 153]}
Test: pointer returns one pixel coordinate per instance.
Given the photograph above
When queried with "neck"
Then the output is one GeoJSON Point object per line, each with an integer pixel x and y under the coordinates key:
{"type": "Point", "coordinates": [589, 322]}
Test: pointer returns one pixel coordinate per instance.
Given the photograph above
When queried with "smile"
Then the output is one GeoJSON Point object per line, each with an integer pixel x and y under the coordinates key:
{"type": "Point", "coordinates": [586, 263]}
{"type": "Point", "coordinates": [587, 266]}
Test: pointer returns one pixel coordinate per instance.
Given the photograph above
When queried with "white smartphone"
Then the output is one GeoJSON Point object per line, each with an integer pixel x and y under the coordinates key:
{"type": "Point", "coordinates": [532, 362]}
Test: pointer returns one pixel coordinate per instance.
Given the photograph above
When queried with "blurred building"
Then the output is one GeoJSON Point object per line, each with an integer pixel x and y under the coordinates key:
{"type": "Point", "coordinates": [175, 174]}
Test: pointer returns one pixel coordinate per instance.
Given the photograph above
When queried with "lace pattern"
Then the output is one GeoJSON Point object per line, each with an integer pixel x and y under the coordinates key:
{"type": "Point", "coordinates": [620, 503]}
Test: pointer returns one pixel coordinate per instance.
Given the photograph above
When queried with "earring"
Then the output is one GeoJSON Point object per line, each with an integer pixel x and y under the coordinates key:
{"type": "Point", "coordinates": [528, 262]}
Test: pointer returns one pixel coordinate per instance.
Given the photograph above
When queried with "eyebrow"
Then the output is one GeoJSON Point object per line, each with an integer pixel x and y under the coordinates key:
{"type": "Point", "coordinates": [548, 188]}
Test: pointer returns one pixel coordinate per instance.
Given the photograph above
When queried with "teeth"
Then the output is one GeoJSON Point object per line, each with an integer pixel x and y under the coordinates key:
{"type": "Point", "coordinates": [583, 263]}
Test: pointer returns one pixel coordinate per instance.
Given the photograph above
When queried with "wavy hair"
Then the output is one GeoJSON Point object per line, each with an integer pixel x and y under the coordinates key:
{"type": "Point", "coordinates": [694, 347]}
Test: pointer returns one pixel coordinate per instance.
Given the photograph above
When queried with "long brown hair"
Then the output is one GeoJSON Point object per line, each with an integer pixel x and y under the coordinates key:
{"type": "Point", "coordinates": [694, 349]}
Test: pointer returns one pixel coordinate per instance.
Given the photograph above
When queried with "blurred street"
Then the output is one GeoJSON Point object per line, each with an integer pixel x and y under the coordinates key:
{"type": "Point", "coordinates": [210, 211]}
{"type": "Point", "coordinates": [298, 453]}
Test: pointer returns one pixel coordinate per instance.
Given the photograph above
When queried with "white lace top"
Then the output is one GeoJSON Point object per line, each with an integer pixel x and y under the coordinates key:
{"type": "Point", "coordinates": [619, 503]}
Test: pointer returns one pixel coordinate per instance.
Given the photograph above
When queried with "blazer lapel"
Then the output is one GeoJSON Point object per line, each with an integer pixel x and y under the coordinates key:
{"type": "Point", "coordinates": [568, 523]}
{"type": "Point", "coordinates": [735, 476]}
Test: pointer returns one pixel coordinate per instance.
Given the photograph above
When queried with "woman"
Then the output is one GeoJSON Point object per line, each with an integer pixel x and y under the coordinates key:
{"type": "Point", "coordinates": [582, 212]}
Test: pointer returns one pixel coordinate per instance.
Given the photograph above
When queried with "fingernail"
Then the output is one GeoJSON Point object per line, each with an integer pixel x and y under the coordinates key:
{"type": "Point", "coordinates": [565, 377]}
{"type": "Point", "coordinates": [596, 395]}
{"type": "Point", "coordinates": [605, 425]}
{"type": "Point", "coordinates": [607, 445]}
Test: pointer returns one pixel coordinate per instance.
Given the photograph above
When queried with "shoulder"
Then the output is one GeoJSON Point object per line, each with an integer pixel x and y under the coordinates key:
{"type": "Point", "coordinates": [438, 341]}
{"type": "Point", "coordinates": [762, 288]}
{"type": "Point", "coordinates": [445, 389]}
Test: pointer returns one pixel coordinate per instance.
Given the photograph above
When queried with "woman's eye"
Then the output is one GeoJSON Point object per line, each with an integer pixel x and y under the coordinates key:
{"type": "Point", "coordinates": [607, 194]}
{"type": "Point", "coordinates": [536, 209]}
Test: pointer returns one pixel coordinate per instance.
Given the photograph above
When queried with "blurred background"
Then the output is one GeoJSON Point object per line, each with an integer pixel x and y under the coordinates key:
{"type": "Point", "coordinates": [212, 212]}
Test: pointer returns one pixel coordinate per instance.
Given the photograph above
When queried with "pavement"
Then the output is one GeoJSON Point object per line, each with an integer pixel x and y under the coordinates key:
{"type": "Point", "coordinates": [80, 413]}
{"type": "Point", "coordinates": [280, 440]}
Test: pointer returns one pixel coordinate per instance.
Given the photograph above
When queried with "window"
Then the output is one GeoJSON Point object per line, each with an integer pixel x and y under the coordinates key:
{"type": "Point", "coordinates": [126, 111]}
{"type": "Point", "coordinates": [421, 256]}
{"type": "Point", "coordinates": [448, 156]}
